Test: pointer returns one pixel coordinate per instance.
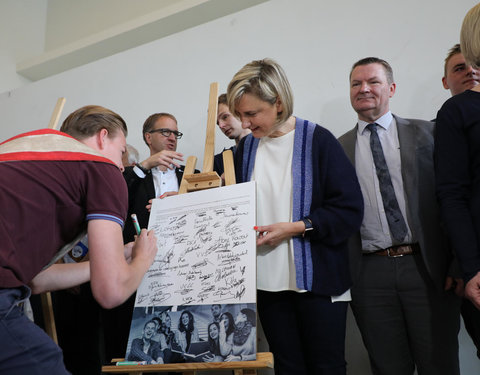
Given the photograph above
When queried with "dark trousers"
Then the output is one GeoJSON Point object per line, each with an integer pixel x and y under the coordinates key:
{"type": "Point", "coordinates": [79, 330]}
{"type": "Point", "coordinates": [471, 320]}
{"type": "Point", "coordinates": [116, 324]}
{"type": "Point", "coordinates": [305, 332]}
{"type": "Point", "coordinates": [404, 322]}
{"type": "Point", "coordinates": [24, 347]}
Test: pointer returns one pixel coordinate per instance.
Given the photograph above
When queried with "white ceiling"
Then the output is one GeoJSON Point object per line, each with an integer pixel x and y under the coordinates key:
{"type": "Point", "coordinates": [79, 32]}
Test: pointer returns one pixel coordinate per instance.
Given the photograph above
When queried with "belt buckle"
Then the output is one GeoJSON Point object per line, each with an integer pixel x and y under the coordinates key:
{"type": "Point", "coordinates": [394, 256]}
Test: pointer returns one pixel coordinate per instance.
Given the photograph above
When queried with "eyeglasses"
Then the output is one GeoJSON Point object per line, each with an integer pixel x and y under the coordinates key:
{"type": "Point", "coordinates": [167, 132]}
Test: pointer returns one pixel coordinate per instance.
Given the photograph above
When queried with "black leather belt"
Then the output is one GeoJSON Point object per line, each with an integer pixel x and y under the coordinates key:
{"type": "Point", "coordinates": [396, 251]}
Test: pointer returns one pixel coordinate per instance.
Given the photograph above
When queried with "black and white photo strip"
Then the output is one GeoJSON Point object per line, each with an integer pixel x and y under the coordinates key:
{"type": "Point", "coordinates": [193, 333]}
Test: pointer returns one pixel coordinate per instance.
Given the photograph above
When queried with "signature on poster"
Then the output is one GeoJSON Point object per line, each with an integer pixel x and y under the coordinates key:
{"type": "Point", "coordinates": [206, 254]}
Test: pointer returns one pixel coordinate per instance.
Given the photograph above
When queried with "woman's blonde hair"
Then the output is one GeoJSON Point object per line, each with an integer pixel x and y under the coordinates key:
{"type": "Point", "coordinates": [470, 37]}
{"type": "Point", "coordinates": [266, 80]}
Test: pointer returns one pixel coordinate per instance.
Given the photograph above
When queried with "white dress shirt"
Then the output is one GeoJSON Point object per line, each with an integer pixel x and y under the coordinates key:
{"type": "Point", "coordinates": [163, 181]}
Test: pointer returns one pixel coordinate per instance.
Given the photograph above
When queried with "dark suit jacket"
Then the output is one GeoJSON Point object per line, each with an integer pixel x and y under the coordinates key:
{"type": "Point", "coordinates": [416, 153]}
{"type": "Point", "coordinates": [218, 160]}
{"type": "Point", "coordinates": [140, 191]}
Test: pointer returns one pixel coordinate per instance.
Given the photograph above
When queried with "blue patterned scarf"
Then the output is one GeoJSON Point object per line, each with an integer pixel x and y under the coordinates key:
{"type": "Point", "coordinates": [302, 192]}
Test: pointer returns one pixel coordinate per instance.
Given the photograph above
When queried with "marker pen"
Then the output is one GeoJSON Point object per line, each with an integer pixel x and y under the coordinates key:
{"type": "Point", "coordinates": [131, 363]}
{"type": "Point", "coordinates": [135, 224]}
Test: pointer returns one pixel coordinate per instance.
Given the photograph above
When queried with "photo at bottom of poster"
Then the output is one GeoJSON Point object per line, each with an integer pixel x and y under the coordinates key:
{"type": "Point", "coordinates": [193, 333]}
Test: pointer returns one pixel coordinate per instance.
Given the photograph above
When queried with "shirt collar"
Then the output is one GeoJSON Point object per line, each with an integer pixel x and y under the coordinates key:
{"type": "Point", "coordinates": [156, 170]}
{"type": "Point", "coordinates": [384, 121]}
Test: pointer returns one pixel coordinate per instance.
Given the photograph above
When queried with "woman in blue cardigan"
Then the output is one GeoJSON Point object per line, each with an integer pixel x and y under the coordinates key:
{"type": "Point", "coordinates": [308, 204]}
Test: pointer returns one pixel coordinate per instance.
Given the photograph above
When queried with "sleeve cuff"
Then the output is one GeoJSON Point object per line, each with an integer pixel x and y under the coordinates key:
{"type": "Point", "coordinates": [139, 172]}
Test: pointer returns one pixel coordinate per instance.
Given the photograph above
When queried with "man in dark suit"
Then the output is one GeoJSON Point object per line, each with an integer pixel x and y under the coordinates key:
{"type": "Point", "coordinates": [399, 259]}
{"type": "Point", "coordinates": [158, 175]}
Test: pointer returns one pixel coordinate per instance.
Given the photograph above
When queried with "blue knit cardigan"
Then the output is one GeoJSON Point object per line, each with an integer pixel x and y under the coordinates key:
{"type": "Point", "coordinates": [325, 190]}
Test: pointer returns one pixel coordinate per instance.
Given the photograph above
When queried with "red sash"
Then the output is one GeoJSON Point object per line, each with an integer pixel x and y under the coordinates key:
{"type": "Point", "coordinates": [48, 144]}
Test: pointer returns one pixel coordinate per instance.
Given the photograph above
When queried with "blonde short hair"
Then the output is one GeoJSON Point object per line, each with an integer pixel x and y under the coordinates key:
{"type": "Point", "coordinates": [266, 80]}
{"type": "Point", "coordinates": [470, 37]}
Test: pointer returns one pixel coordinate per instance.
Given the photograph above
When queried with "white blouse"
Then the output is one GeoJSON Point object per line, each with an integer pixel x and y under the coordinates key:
{"type": "Point", "coordinates": [273, 176]}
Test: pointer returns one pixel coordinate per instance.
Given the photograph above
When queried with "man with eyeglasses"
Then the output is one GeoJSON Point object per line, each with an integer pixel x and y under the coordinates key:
{"type": "Point", "coordinates": [158, 175]}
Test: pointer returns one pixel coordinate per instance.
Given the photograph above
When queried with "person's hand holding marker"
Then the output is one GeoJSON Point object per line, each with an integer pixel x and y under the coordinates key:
{"type": "Point", "coordinates": [136, 224]}
{"type": "Point", "coordinates": [145, 242]}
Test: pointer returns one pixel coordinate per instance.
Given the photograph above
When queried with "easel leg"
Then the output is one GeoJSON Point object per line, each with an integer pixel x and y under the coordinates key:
{"type": "Point", "coordinates": [245, 372]}
{"type": "Point", "coordinates": [48, 316]}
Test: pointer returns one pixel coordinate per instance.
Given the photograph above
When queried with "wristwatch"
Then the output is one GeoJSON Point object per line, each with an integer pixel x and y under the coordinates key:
{"type": "Point", "coordinates": [308, 226]}
{"type": "Point", "coordinates": [142, 168]}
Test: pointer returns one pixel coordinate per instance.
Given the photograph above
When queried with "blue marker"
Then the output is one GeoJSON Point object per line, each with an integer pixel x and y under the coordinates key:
{"type": "Point", "coordinates": [135, 224]}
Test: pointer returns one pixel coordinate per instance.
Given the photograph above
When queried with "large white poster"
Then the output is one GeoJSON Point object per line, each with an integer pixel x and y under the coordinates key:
{"type": "Point", "coordinates": [201, 288]}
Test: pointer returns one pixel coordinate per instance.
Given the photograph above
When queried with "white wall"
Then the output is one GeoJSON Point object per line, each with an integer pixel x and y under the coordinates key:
{"type": "Point", "coordinates": [315, 41]}
{"type": "Point", "coordinates": [22, 34]}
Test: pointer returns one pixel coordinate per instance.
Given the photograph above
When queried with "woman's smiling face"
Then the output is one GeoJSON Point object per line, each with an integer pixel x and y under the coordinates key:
{"type": "Point", "coordinates": [257, 115]}
{"type": "Point", "coordinates": [213, 331]}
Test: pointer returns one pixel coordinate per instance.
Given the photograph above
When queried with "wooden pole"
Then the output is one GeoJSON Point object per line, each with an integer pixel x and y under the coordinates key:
{"type": "Point", "coordinates": [48, 317]}
{"type": "Point", "coordinates": [208, 178]}
{"type": "Point", "coordinates": [229, 170]}
{"type": "Point", "coordinates": [46, 298]}
{"type": "Point", "coordinates": [56, 113]}
{"type": "Point", "coordinates": [189, 170]}
{"type": "Point", "coordinates": [211, 121]}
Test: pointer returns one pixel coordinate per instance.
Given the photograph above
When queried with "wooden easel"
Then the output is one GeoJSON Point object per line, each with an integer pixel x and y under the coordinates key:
{"type": "Point", "coordinates": [46, 298]}
{"type": "Point", "coordinates": [193, 182]}
{"type": "Point", "coordinates": [208, 178]}
{"type": "Point", "coordinates": [263, 361]}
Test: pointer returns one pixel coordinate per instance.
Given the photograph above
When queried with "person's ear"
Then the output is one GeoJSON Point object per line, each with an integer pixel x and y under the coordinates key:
{"type": "Point", "coordinates": [279, 105]}
{"type": "Point", "coordinates": [392, 88]}
{"type": "Point", "coordinates": [148, 138]}
{"type": "Point", "coordinates": [445, 83]}
{"type": "Point", "coordinates": [101, 138]}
